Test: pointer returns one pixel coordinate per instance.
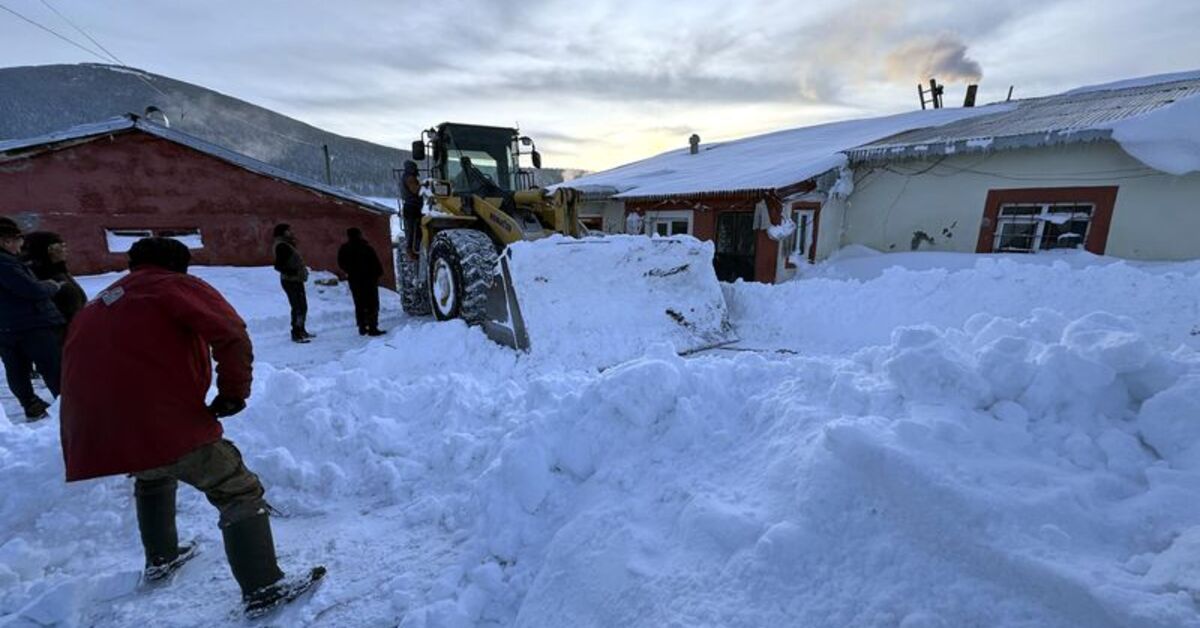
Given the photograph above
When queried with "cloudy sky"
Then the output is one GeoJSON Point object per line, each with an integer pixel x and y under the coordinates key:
{"type": "Point", "coordinates": [604, 82]}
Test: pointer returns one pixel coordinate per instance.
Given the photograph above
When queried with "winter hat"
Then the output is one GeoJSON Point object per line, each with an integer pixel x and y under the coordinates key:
{"type": "Point", "coordinates": [164, 252]}
{"type": "Point", "coordinates": [9, 228]}
{"type": "Point", "coordinates": [354, 233]}
{"type": "Point", "coordinates": [281, 229]}
{"type": "Point", "coordinates": [410, 166]}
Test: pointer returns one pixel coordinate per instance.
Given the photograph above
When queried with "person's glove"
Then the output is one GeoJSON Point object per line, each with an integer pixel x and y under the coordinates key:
{"type": "Point", "coordinates": [223, 406]}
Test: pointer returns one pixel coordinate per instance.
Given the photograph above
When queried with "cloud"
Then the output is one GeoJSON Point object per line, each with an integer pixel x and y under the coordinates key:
{"type": "Point", "coordinates": [943, 56]}
{"type": "Point", "coordinates": [626, 85]}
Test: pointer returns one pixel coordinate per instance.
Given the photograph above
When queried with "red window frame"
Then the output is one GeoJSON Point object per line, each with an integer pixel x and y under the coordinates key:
{"type": "Point", "coordinates": [1102, 199]}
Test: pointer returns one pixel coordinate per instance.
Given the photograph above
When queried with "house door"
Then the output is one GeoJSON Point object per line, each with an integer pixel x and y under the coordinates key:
{"type": "Point", "coordinates": [735, 246]}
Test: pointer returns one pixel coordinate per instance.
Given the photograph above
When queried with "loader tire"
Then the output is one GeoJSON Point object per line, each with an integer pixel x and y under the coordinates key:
{"type": "Point", "coordinates": [461, 266]}
{"type": "Point", "coordinates": [414, 293]}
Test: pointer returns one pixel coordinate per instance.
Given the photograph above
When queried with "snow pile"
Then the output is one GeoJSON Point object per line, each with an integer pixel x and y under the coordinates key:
{"type": "Point", "coordinates": [770, 161]}
{"type": "Point", "coordinates": [1166, 139]}
{"type": "Point", "coordinates": [603, 300]}
{"type": "Point", "coordinates": [980, 445]}
{"type": "Point", "coordinates": [858, 298]}
{"type": "Point", "coordinates": [1013, 472]}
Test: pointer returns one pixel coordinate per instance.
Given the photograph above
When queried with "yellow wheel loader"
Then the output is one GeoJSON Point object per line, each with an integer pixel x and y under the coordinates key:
{"type": "Point", "coordinates": [485, 226]}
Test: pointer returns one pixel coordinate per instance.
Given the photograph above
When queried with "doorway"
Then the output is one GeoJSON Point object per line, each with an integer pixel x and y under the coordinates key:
{"type": "Point", "coordinates": [735, 246]}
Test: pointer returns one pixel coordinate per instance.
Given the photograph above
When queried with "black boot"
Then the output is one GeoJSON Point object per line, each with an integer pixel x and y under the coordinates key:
{"type": "Point", "coordinates": [251, 553]}
{"type": "Point", "coordinates": [156, 523]}
{"type": "Point", "coordinates": [299, 336]}
{"type": "Point", "coordinates": [36, 409]}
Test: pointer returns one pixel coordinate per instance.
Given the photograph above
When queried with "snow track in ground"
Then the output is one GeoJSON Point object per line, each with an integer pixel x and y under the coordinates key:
{"type": "Point", "coordinates": [944, 451]}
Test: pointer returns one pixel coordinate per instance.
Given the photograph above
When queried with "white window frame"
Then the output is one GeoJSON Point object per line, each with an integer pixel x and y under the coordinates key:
{"type": "Point", "coordinates": [1039, 220]}
{"type": "Point", "coordinates": [121, 239]}
{"type": "Point", "coordinates": [668, 217]}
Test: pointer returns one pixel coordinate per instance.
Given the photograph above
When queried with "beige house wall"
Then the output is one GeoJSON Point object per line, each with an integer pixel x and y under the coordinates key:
{"type": "Point", "coordinates": [938, 206]}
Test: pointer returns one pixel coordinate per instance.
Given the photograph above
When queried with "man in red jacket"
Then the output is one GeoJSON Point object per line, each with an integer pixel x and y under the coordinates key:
{"type": "Point", "coordinates": [136, 372]}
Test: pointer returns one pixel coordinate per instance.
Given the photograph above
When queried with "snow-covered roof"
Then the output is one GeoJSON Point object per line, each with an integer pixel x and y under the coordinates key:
{"type": "Point", "coordinates": [86, 132]}
{"type": "Point", "coordinates": [1080, 115]}
{"type": "Point", "coordinates": [764, 162]}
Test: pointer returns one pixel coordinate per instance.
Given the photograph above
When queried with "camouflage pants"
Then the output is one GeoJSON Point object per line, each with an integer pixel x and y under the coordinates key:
{"type": "Point", "coordinates": [215, 469]}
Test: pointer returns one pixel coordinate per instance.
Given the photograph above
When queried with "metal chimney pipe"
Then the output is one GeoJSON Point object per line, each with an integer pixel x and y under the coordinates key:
{"type": "Point", "coordinates": [694, 143]}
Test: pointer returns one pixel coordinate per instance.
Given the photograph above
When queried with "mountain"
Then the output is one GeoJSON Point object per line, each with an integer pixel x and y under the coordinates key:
{"type": "Point", "coordinates": [35, 100]}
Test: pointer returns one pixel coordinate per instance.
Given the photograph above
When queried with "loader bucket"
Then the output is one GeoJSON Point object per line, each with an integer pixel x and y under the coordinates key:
{"type": "Point", "coordinates": [607, 299]}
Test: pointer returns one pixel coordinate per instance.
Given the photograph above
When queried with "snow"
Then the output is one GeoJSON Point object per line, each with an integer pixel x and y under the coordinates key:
{"type": "Point", "coordinates": [909, 440]}
{"type": "Point", "coordinates": [1166, 139]}
{"type": "Point", "coordinates": [770, 161]}
{"type": "Point", "coordinates": [1141, 81]}
{"type": "Point", "coordinates": [652, 289]}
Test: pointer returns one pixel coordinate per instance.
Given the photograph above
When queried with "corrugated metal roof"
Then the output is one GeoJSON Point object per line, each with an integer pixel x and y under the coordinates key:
{"type": "Point", "coordinates": [15, 149]}
{"type": "Point", "coordinates": [1076, 116]}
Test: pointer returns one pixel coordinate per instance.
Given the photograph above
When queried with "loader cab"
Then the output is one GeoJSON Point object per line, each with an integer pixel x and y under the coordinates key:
{"type": "Point", "coordinates": [474, 159]}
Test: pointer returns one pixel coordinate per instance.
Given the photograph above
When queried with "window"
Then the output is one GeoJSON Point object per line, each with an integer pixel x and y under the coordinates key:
{"type": "Point", "coordinates": [669, 223]}
{"type": "Point", "coordinates": [1032, 228]}
{"type": "Point", "coordinates": [1028, 220]}
{"type": "Point", "coordinates": [121, 240]}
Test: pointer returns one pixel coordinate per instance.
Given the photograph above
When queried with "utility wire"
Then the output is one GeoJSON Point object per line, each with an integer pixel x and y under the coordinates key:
{"type": "Point", "coordinates": [84, 33]}
{"type": "Point", "coordinates": [56, 34]}
{"type": "Point", "coordinates": [113, 57]}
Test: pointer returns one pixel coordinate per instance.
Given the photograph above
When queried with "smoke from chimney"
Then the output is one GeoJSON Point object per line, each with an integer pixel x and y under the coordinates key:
{"type": "Point", "coordinates": [944, 56]}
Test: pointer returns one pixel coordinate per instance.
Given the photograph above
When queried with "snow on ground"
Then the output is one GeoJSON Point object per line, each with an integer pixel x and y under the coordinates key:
{"type": "Point", "coordinates": [996, 442]}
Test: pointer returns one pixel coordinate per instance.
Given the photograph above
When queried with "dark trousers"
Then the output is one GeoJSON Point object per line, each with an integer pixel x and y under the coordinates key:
{"type": "Point", "coordinates": [365, 293]}
{"type": "Point", "coordinates": [412, 229]}
{"type": "Point", "coordinates": [22, 350]}
{"type": "Point", "coordinates": [299, 301]}
{"type": "Point", "coordinates": [215, 469]}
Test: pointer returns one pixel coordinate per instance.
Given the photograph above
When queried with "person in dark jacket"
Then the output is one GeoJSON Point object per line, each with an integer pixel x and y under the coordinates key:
{"type": "Point", "coordinates": [357, 258]}
{"type": "Point", "coordinates": [292, 275]}
{"type": "Point", "coordinates": [410, 195]}
{"type": "Point", "coordinates": [46, 254]}
{"type": "Point", "coordinates": [136, 372]}
{"type": "Point", "coordinates": [30, 324]}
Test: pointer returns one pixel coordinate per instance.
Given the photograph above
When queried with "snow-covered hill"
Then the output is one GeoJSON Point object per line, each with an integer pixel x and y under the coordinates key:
{"type": "Point", "coordinates": [999, 441]}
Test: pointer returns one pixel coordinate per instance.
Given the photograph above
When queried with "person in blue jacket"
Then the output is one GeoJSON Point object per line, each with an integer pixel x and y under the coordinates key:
{"type": "Point", "coordinates": [30, 324]}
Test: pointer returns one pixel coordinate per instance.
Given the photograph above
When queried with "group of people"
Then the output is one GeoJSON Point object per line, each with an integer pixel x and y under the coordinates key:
{"type": "Point", "coordinates": [39, 299]}
{"type": "Point", "coordinates": [134, 366]}
{"type": "Point", "coordinates": [357, 260]}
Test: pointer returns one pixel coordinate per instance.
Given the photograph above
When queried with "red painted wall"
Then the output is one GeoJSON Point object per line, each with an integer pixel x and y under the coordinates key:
{"type": "Point", "coordinates": [704, 222]}
{"type": "Point", "coordinates": [137, 180]}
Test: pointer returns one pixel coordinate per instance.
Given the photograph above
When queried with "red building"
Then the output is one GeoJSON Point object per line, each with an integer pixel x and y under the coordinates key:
{"type": "Point", "coordinates": [102, 186]}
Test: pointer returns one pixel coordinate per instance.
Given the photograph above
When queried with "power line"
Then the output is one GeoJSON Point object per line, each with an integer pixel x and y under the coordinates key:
{"type": "Point", "coordinates": [84, 33]}
{"type": "Point", "coordinates": [56, 34]}
{"type": "Point", "coordinates": [106, 50]}
{"type": "Point", "coordinates": [137, 74]}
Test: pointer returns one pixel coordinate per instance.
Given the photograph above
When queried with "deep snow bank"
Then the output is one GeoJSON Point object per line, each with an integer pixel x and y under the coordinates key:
{"type": "Point", "coordinates": [1037, 471]}
{"type": "Point", "coordinates": [604, 300]}
{"type": "Point", "coordinates": [859, 299]}
{"type": "Point", "coordinates": [944, 467]}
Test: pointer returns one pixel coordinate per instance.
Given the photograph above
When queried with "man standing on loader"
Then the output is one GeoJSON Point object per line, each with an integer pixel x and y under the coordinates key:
{"type": "Point", "coordinates": [410, 194]}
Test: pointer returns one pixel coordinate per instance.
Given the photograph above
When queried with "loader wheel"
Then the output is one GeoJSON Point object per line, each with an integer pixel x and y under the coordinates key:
{"type": "Point", "coordinates": [461, 266]}
{"type": "Point", "coordinates": [414, 294]}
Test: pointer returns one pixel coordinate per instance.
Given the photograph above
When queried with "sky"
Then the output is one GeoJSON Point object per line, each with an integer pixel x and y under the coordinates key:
{"type": "Point", "coordinates": [606, 82]}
